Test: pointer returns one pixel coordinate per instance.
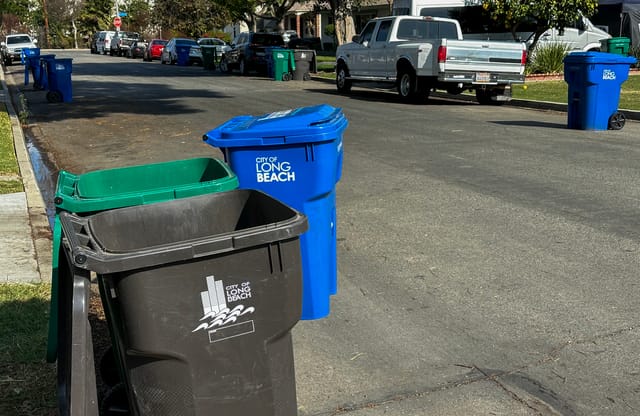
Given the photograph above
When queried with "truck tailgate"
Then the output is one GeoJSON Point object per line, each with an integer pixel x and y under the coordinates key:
{"type": "Point", "coordinates": [481, 56]}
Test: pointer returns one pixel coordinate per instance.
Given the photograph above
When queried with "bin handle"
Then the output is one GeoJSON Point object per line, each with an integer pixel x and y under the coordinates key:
{"type": "Point", "coordinates": [330, 118]}
{"type": "Point", "coordinates": [66, 186]}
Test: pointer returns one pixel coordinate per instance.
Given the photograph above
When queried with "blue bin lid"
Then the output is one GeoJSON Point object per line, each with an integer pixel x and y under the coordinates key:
{"type": "Point", "coordinates": [302, 125]}
{"type": "Point", "coordinates": [598, 58]}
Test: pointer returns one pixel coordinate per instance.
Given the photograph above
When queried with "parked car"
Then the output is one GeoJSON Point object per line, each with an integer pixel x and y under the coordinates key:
{"type": "Point", "coordinates": [247, 52]}
{"type": "Point", "coordinates": [170, 51]}
{"type": "Point", "coordinates": [154, 49]}
{"type": "Point", "coordinates": [137, 49]}
{"type": "Point", "coordinates": [103, 44]}
{"type": "Point", "coordinates": [121, 42]}
{"type": "Point", "coordinates": [13, 45]}
{"type": "Point", "coordinates": [221, 46]}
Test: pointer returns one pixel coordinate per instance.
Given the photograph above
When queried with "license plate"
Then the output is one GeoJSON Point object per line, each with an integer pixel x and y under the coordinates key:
{"type": "Point", "coordinates": [483, 77]}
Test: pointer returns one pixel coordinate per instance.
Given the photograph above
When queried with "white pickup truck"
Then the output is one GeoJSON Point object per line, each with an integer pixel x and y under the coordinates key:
{"type": "Point", "coordinates": [422, 54]}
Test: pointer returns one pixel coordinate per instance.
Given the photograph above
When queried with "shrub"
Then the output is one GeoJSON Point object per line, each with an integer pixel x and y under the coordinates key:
{"type": "Point", "coordinates": [547, 59]}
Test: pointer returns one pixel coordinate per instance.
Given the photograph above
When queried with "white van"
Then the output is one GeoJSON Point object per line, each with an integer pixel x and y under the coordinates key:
{"type": "Point", "coordinates": [103, 44]}
{"type": "Point", "coordinates": [582, 36]}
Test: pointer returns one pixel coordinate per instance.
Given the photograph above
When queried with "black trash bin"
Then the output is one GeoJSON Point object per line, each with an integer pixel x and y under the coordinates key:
{"type": "Point", "coordinates": [202, 293]}
{"type": "Point", "coordinates": [305, 60]}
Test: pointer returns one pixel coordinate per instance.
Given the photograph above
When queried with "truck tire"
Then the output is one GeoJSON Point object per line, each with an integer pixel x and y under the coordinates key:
{"type": "Point", "coordinates": [342, 83]}
{"type": "Point", "coordinates": [410, 88]}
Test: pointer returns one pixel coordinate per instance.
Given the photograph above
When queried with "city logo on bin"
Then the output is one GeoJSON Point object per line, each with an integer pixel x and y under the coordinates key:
{"type": "Point", "coordinates": [270, 169]}
{"type": "Point", "coordinates": [219, 321]}
{"type": "Point", "coordinates": [609, 75]}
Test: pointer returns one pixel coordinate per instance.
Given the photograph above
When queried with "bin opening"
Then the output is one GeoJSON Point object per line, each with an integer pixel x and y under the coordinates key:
{"type": "Point", "coordinates": [153, 176]}
{"type": "Point", "coordinates": [136, 228]}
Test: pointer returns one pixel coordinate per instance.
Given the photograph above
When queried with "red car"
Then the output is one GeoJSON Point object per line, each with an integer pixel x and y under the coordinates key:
{"type": "Point", "coordinates": [154, 50]}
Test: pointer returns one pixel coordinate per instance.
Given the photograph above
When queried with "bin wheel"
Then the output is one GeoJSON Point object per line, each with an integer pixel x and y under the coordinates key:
{"type": "Point", "coordinates": [109, 368]}
{"type": "Point", "coordinates": [306, 76]}
{"type": "Point", "coordinates": [54, 96]}
{"type": "Point", "coordinates": [616, 121]}
{"type": "Point", "coordinates": [115, 402]}
{"type": "Point", "coordinates": [286, 76]}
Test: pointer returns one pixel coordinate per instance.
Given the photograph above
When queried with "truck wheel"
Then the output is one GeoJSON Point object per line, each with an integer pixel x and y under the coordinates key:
{"type": "Point", "coordinates": [616, 121]}
{"type": "Point", "coordinates": [408, 89]}
{"type": "Point", "coordinates": [342, 83]}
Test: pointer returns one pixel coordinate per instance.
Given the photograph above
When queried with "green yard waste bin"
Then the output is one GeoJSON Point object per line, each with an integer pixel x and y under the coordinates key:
{"type": "Point", "coordinates": [202, 295]}
{"type": "Point", "coordinates": [208, 57]}
{"type": "Point", "coordinates": [283, 64]}
{"type": "Point", "coordinates": [619, 46]}
{"type": "Point", "coordinates": [108, 189]}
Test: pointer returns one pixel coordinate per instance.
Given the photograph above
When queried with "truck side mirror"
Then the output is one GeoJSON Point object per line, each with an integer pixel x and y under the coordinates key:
{"type": "Point", "coordinates": [355, 38]}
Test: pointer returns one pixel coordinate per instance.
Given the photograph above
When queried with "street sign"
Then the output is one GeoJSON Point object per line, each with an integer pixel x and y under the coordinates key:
{"type": "Point", "coordinates": [117, 22]}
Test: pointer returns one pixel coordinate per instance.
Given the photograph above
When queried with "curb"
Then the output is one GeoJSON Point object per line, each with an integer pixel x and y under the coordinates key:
{"type": "Point", "coordinates": [36, 208]}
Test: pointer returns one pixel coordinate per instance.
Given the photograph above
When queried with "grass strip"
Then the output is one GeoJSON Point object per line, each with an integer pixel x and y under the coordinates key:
{"type": "Point", "coordinates": [27, 382]}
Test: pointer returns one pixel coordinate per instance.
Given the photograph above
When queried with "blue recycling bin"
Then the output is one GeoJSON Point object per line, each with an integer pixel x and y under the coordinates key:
{"type": "Point", "coordinates": [42, 80]}
{"type": "Point", "coordinates": [594, 80]}
{"type": "Point", "coordinates": [31, 63]}
{"type": "Point", "coordinates": [59, 79]}
{"type": "Point", "coordinates": [183, 54]}
{"type": "Point", "coordinates": [295, 156]}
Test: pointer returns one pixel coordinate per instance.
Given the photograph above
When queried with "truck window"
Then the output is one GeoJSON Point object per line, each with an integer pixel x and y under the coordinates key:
{"type": "Point", "coordinates": [413, 29]}
{"type": "Point", "coordinates": [383, 31]}
{"type": "Point", "coordinates": [447, 30]}
{"type": "Point", "coordinates": [367, 32]}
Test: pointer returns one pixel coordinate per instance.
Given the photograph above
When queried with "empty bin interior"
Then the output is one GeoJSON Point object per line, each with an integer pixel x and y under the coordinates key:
{"type": "Point", "coordinates": [145, 178]}
{"type": "Point", "coordinates": [182, 220]}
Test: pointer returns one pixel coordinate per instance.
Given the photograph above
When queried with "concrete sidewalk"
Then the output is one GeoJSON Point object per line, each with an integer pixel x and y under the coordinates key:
{"type": "Point", "coordinates": [25, 234]}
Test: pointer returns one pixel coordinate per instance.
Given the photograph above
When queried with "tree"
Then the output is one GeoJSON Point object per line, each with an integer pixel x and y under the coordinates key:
{"type": "Point", "coordinates": [16, 16]}
{"type": "Point", "coordinates": [544, 14]}
{"type": "Point", "coordinates": [275, 10]}
{"type": "Point", "coordinates": [239, 11]}
{"type": "Point", "coordinates": [192, 19]}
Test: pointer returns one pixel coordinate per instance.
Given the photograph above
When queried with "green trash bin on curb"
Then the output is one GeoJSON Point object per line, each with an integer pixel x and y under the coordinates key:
{"type": "Point", "coordinates": [202, 294]}
{"type": "Point", "coordinates": [619, 46]}
{"type": "Point", "coordinates": [283, 64]}
{"type": "Point", "coordinates": [103, 190]}
{"type": "Point", "coordinates": [209, 56]}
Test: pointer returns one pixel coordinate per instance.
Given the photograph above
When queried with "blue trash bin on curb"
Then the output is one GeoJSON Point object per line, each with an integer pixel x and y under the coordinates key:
{"type": "Point", "coordinates": [42, 79]}
{"type": "Point", "coordinates": [295, 156]}
{"type": "Point", "coordinates": [59, 80]}
{"type": "Point", "coordinates": [183, 54]}
{"type": "Point", "coordinates": [31, 63]}
{"type": "Point", "coordinates": [594, 80]}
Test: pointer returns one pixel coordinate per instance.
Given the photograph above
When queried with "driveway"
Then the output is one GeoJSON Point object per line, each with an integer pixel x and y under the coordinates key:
{"type": "Point", "coordinates": [487, 256]}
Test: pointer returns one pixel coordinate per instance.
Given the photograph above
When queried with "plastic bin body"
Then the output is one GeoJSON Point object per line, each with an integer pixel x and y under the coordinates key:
{"type": "Point", "coordinates": [283, 64]}
{"type": "Point", "coordinates": [183, 54]}
{"type": "Point", "coordinates": [305, 63]}
{"type": "Point", "coordinates": [43, 78]}
{"type": "Point", "coordinates": [594, 80]}
{"type": "Point", "coordinates": [107, 189]}
{"type": "Point", "coordinates": [619, 45]}
{"type": "Point", "coordinates": [295, 156]}
{"type": "Point", "coordinates": [59, 78]}
{"type": "Point", "coordinates": [203, 305]}
{"type": "Point", "coordinates": [209, 55]}
{"type": "Point", "coordinates": [31, 63]}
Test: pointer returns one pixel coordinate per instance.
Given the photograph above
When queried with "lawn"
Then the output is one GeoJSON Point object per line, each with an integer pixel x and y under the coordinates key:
{"type": "Point", "coordinates": [9, 173]}
{"type": "Point", "coordinates": [557, 91]}
{"type": "Point", "coordinates": [27, 382]}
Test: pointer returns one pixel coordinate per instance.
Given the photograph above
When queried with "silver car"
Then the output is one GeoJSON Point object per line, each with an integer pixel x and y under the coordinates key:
{"type": "Point", "coordinates": [170, 52]}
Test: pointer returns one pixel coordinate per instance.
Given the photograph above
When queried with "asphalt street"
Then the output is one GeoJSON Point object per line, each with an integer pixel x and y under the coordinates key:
{"type": "Point", "coordinates": [487, 256]}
